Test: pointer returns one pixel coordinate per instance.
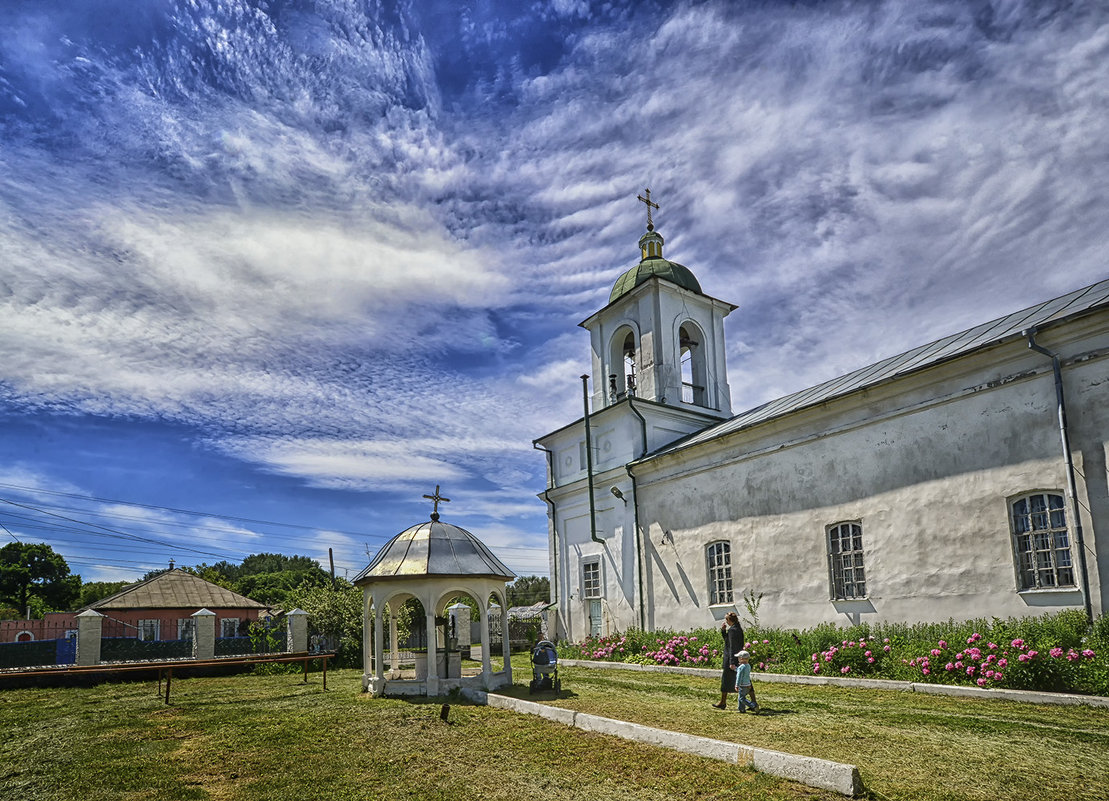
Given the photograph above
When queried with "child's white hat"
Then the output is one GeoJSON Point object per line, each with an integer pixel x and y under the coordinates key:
{"type": "Point", "coordinates": [743, 655]}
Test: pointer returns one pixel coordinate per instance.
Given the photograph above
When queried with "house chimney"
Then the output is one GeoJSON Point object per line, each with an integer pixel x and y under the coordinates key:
{"type": "Point", "coordinates": [171, 563]}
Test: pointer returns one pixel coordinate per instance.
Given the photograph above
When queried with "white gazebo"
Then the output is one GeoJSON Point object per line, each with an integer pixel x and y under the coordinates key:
{"type": "Point", "coordinates": [433, 562]}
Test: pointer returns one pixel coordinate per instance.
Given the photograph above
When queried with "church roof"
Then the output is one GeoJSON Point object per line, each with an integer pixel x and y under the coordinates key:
{"type": "Point", "coordinates": [175, 589]}
{"type": "Point", "coordinates": [434, 549]}
{"type": "Point", "coordinates": [950, 347]}
{"type": "Point", "coordinates": [650, 268]}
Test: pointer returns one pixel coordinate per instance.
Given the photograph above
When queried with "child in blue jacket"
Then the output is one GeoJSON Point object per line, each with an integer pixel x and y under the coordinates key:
{"type": "Point", "coordinates": [743, 684]}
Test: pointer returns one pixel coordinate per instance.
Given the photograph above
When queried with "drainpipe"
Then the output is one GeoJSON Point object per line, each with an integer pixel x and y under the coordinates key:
{"type": "Point", "coordinates": [554, 518]}
{"type": "Point", "coordinates": [635, 513]}
{"type": "Point", "coordinates": [589, 461]}
{"type": "Point", "coordinates": [1071, 487]}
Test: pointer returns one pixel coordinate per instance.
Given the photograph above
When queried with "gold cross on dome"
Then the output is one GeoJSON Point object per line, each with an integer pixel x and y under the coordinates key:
{"type": "Point", "coordinates": [436, 498]}
{"type": "Point", "coordinates": [650, 205]}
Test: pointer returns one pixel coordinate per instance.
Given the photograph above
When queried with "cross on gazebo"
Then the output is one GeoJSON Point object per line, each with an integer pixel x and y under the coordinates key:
{"type": "Point", "coordinates": [650, 205]}
{"type": "Point", "coordinates": [436, 498]}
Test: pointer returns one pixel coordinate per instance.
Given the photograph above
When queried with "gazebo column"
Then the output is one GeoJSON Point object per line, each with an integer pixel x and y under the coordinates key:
{"type": "Point", "coordinates": [377, 683]}
{"type": "Point", "coordinates": [486, 668]}
{"type": "Point", "coordinates": [394, 650]}
{"type": "Point", "coordinates": [432, 651]}
{"type": "Point", "coordinates": [367, 641]}
{"type": "Point", "coordinates": [506, 644]}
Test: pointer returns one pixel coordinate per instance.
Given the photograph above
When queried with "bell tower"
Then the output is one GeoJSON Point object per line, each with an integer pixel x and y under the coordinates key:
{"type": "Point", "coordinates": [660, 338]}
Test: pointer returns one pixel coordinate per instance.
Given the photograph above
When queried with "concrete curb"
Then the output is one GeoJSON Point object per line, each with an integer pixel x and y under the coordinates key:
{"type": "Point", "coordinates": [1021, 696]}
{"type": "Point", "coordinates": [821, 773]}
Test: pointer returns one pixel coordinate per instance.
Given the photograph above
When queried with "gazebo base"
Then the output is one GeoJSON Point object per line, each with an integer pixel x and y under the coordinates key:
{"type": "Point", "coordinates": [409, 687]}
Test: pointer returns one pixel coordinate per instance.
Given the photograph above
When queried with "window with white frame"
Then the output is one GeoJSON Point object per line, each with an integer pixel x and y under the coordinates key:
{"type": "Point", "coordinates": [185, 627]}
{"type": "Point", "coordinates": [845, 560]}
{"type": "Point", "coordinates": [150, 630]}
{"type": "Point", "coordinates": [591, 579]}
{"type": "Point", "coordinates": [1041, 541]}
{"type": "Point", "coordinates": [719, 556]}
{"type": "Point", "coordinates": [229, 627]}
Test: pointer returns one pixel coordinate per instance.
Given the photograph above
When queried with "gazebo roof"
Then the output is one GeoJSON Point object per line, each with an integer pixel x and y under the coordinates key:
{"type": "Point", "coordinates": [434, 549]}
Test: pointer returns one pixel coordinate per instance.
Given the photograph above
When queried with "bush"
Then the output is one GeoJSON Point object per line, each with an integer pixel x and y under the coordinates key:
{"type": "Point", "coordinates": [1056, 652]}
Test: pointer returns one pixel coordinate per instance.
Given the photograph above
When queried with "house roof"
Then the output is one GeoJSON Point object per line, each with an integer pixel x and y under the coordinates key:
{"type": "Point", "coordinates": [176, 589]}
{"type": "Point", "coordinates": [981, 336]}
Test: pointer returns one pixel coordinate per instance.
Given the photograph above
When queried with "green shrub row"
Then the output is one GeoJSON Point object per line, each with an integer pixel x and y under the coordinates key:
{"type": "Point", "coordinates": [1056, 652]}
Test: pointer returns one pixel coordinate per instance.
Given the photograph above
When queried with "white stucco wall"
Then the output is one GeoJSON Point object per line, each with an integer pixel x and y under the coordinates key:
{"type": "Point", "coordinates": [927, 465]}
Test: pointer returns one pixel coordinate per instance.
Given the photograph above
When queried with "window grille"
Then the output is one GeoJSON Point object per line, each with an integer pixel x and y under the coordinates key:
{"type": "Point", "coordinates": [229, 627]}
{"type": "Point", "coordinates": [845, 558]}
{"type": "Point", "coordinates": [1042, 541]}
{"type": "Point", "coordinates": [150, 630]}
{"type": "Point", "coordinates": [591, 579]}
{"type": "Point", "coordinates": [720, 572]}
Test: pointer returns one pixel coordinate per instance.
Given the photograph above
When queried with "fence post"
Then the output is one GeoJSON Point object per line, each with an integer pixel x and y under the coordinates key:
{"type": "Point", "coordinates": [90, 626]}
{"type": "Point", "coordinates": [296, 632]}
{"type": "Point", "coordinates": [204, 634]}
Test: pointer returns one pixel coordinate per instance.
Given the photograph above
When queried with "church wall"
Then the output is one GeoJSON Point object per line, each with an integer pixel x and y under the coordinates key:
{"type": "Point", "coordinates": [927, 464]}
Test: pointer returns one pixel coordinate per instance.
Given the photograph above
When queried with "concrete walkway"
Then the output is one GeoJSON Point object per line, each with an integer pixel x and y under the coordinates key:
{"type": "Point", "coordinates": [1023, 696]}
{"type": "Point", "coordinates": [822, 773]}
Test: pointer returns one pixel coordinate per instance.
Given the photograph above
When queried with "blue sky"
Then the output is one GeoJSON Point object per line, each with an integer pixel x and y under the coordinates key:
{"type": "Point", "coordinates": [271, 271]}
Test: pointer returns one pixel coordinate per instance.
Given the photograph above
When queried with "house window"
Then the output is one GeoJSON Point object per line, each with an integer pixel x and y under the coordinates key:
{"type": "Point", "coordinates": [720, 572]}
{"type": "Point", "coordinates": [229, 627]}
{"type": "Point", "coordinates": [591, 579]}
{"type": "Point", "coordinates": [845, 558]}
{"type": "Point", "coordinates": [185, 628]}
{"type": "Point", "coordinates": [150, 630]}
{"type": "Point", "coordinates": [1041, 541]}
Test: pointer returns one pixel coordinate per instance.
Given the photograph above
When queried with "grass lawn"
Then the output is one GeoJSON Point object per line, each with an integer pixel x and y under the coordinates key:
{"type": "Point", "coordinates": [269, 736]}
{"type": "Point", "coordinates": [907, 745]}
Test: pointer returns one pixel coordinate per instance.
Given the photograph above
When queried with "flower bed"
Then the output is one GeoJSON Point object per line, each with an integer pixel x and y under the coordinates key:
{"type": "Point", "coordinates": [1057, 653]}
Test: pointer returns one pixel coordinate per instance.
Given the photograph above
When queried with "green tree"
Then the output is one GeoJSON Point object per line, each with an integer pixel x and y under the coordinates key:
{"type": "Point", "coordinates": [528, 590]}
{"type": "Point", "coordinates": [34, 571]}
{"type": "Point", "coordinates": [335, 611]}
{"type": "Point", "coordinates": [93, 591]}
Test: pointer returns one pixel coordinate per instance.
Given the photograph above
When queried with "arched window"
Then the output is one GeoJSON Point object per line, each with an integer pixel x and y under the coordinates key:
{"type": "Point", "coordinates": [691, 353]}
{"type": "Point", "coordinates": [719, 556]}
{"type": "Point", "coordinates": [845, 560]}
{"type": "Point", "coordinates": [622, 361]}
{"type": "Point", "coordinates": [1041, 541]}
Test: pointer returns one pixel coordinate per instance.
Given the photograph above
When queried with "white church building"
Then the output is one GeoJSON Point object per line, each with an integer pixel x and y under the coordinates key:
{"type": "Point", "coordinates": [964, 478]}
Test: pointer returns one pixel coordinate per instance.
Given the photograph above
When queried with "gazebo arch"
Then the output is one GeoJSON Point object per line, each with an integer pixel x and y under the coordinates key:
{"type": "Point", "coordinates": [432, 562]}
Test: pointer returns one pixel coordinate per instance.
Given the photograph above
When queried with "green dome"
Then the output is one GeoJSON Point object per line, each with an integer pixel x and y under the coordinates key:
{"type": "Point", "coordinates": [648, 268]}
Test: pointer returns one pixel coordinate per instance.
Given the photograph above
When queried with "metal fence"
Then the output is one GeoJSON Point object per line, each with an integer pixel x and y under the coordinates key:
{"type": "Point", "coordinates": [30, 643]}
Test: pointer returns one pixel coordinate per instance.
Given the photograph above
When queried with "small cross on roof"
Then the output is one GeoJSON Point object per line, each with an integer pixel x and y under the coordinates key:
{"type": "Point", "coordinates": [436, 498]}
{"type": "Point", "coordinates": [650, 205]}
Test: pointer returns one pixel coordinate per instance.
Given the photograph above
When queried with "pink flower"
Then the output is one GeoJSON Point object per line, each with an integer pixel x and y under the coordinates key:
{"type": "Point", "coordinates": [1018, 643]}
{"type": "Point", "coordinates": [886, 648]}
{"type": "Point", "coordinates": [991, 646]}
{"type": "Point", "coordinates": [814, 657]}
{"type": "Point", "coordinates": [1003, 662]}
{"type": "Point", "coordinates": [981, 682]}
{"type": "Point", "coordinates": [845, 669]}
{"type": "Point", "coordinates": [886, 639]}
{"type": "Point", "coordinates": [936, 652]}
{"type": "Point", "coordinates": [868, 654]}
{"type": "Point", "coordinates": [990, 674]}
{"type": "Point", "coordinates": [925, 671]}
{"type": "Point", "coordinates": [1022, 658]}
{"type": "Point", "coordinates": [949, 667]}
{"type": "Point", "coordinates": [1033, 654]}
{"type": "Point", "coordinates": [816, 668]}
{"type": "Point", "coordinates": [870, 660]}
{"type": "Point", "coordinates": [970, 670]}
{"type": "Point", "coordinates": [1056, 652]}
{"type": "Point", "coordinates": [942, 644]}
{"type": "Point", "coordinates": [766, 642]}
{"type": "Point", "coordinates": [997, 676]}
{"type": "Point", "coordinates": [1088, 654]}
{"type": "Point", "coordinates": [1071, 655]}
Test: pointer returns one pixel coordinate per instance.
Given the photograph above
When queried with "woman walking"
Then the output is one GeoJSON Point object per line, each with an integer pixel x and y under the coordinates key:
{"type": "Point", "coordinates": [732, 633]}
